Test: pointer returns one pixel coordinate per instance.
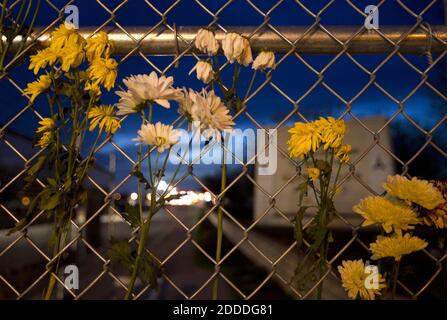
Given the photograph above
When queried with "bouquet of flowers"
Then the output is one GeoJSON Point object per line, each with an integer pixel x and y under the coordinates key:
{"type": "Point", "coordinates": [76, 70]}
{"type": "Point", "coordinates": [409, 202]}
{"type": "Point", "coordinates": [319, 144]}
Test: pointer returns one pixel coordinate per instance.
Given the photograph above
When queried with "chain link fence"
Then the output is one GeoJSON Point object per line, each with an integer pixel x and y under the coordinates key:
{"type": "Point", "coordinates": [162, 47]}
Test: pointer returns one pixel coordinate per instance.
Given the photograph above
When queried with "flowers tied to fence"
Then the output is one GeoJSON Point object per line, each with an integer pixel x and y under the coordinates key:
{"type": "Point", "coordinates": [319, 144]}
{"type": "Point", "coordinates": [75, 71]}
{"type": "Point", "coordinates": [217, 118]}
{"type": "Point", "coordinates": [408, 203]}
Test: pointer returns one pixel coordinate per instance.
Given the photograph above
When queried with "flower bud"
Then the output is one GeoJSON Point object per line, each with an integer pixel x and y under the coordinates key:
{"type": "Point", "coordinates": [264, 60]}
{"type": "Point", "coordinates": [237, 48]}
{"type": "Point", "coordinates": [204, 71]}
{"type": "Point", "coordinates": [206, 42]}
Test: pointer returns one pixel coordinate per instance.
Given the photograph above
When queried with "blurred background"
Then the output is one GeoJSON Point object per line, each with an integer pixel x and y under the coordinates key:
{"type": "Point", "coordinates": [396, 125]}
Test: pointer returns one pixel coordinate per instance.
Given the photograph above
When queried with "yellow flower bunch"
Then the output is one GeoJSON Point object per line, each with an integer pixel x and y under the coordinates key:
{"type": "Point", "coordinates": [66, 47]}
{"type": "Point", "coordinates": [319, 143]}
{"type": "Point", "coordinates": [69, 49]}
{"type": "Point", "coordinates": [396, 246]}
{"type": "Point", "coordinates": [104, 117]}
{"type": "Point", "coordinates": [396, 214]}
{"type": "Point", "coordinates": [326, 132]}
{"type": "Point", "coordinates": [76, 71]}
{"type": "Point", "coordinates": [391, 215]}
{"type": "Point", "coordinates": [354, 277]}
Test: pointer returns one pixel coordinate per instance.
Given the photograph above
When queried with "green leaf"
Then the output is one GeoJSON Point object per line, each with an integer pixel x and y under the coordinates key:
{"type": "Point", "coordinates": [67, 184]}
{"type": "Point", "coordinates": [49, 203]}
{"type": "Point", "coordinates": [120, 252]}
{"type": "Point", "coordinates": [132, 215]}
{"type": "Point", "coordinates": [35, 169]}
{"type": "Point", "coordinates": [137, 173]}
{"type": "Point", "coordinates": [298, 226]}
{"type": "Point", "coordinates": [34, 201]}
{"type": "Point", "coordinates": [52, 182]}
{"type": "Point", "coordinates": [148, 270]}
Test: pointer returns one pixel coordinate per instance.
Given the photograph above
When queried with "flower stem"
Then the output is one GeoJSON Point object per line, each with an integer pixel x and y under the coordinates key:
{"type": "Point", "coordinates": [395, 277]}
{"type": "Point", "coordinates": [52, 282]}
{"type": "Point", "coordinates": [223, 185]}
{"type": "Point", "coordinates": [141, 246]}
{"type": "Point", "coordinates": [250, 86]}
{"type": "Point", "coordinates": [144, 230]}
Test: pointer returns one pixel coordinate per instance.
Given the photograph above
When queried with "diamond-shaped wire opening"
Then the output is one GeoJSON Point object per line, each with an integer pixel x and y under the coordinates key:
{"type": "Point", "coordinates": [317, 78]}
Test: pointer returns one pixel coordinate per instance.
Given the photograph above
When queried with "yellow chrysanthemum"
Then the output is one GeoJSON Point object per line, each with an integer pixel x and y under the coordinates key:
{"type": "Point", "coordinates": [72, 55]}
{"type": "Point", "coordinates": [45, 139]}
{"type": "Point", "coordinates": [104, 117]}
{"type": "Point", "coordinates": [64, 34]}
{"type": "Point", "coordinates": [37, 87]}
{"type": "Point", "coordinates": [332, 132]}
{"type": "Point", "coordinates": [391, 215]}
{"type": "Point", "coordinates": [343, 152]}
{"type": "Point", "coordinates": [43, 58]}
{"type": "Point", "coordinates": [354, 277]}
{"type": "Point", "coordinates": [304, 137]}
{"type": "Point", "coordinates": [98, 46]}
{"type": "Point", "coordinates": [396, 246]}
{"type": "Point", "coordinates": [104, 72]}
{"type": "Point", "coordinates": [416, 191]}
{"type": "Point", "coordinates": [46, 124]}
{"type": "Point", "coordinates": [314, 173]}
{"type": "Point", "coordinates": [46, 132]}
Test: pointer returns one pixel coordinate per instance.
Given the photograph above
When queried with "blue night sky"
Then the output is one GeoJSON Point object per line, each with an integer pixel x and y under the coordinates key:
{"type": "Point", "coordinates": [292, 76]}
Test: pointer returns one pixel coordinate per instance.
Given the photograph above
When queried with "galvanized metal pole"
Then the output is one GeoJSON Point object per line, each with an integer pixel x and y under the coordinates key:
{"type": "Point", "coordinates": [163, 41]}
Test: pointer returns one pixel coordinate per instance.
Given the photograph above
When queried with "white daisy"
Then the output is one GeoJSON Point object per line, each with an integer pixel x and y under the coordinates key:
{"type": "Point", "coordinates": [127, 103]}
{"type": "Point", "coordinates": [213, 115]}
{"type": "Point", "coordinates": [146, 88]}
{"type": "Point", "coordinates": [161, 135]}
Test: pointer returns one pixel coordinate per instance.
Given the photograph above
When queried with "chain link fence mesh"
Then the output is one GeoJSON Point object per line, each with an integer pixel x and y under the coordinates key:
{"type": "Point", "coordinates": [100, 275]}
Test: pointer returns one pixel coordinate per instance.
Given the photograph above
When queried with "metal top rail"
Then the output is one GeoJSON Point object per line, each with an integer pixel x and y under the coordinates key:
{"type": "Point", "coordinates": [327, 40]}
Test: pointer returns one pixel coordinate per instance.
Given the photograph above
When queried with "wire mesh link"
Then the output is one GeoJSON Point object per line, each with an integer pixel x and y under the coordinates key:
{"type": "Point", "coordinates": [270, 83]}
